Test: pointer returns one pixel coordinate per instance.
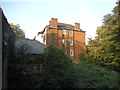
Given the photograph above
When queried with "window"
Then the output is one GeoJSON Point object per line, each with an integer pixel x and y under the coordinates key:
{"type": "Point", "coordinates": [45, 42]}
{"type": "Point", "coordinates": [71, 32]}
{"type": "Point", "coordinates": [64, 31]}
{"type": "Point", "coordinates": [71, 42]}
{"type": "Point", "coordinates": [64, 42]}
{"type": "Point", "coordinates": [71, 53]}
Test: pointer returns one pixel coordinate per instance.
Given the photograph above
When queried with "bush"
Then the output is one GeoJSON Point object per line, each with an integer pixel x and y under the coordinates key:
{"type": "Point", "coordinates": [60, 72]}
{"type": "Point", "coordinates": [82, 56]}
{"type": "Point", "coordinates": [57, 70]}
{"type": "Point", "coordinates": [95, 76]}
{"type": "Point", "coordinates": [16, 70]}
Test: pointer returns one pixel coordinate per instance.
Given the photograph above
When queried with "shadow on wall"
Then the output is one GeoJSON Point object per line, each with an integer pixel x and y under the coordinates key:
{"type": "Point", "coordinates": [8, 38]}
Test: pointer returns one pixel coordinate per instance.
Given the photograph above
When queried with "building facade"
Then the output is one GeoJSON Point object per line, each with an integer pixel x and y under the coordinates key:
{"type": "Point", "coordinates": [7, 38]}
{"type": "Point", "coordinates": [65, 36]}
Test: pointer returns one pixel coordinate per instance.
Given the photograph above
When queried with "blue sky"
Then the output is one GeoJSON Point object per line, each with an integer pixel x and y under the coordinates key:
{"type": "Point", "coordinates": [33, 16]}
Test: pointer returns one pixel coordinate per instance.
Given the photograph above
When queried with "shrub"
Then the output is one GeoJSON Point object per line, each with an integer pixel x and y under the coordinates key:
{"type": "Point", "coordinates": [82, 56]}
{"type": "Point", "coordinates": [57, 70]}
{"type": "Point", "coordinates": [16, 70]}
{"type": "Point", "coordinates": [60, 72]}
{"type": "Point", "coordinates": [95, 76]}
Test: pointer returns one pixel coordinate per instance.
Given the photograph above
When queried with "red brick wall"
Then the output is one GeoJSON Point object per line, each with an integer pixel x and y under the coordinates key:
{"type": "Point", "coordinates": [54, 22]}
{"type": "Point", "coordinates": [77, 26]}
{"type": "Point", "coordinates": [79, 43]}
{"type": "Point", "coordinates": [56, 39]}
{"type": "Point", "coordinates": [60, 38]}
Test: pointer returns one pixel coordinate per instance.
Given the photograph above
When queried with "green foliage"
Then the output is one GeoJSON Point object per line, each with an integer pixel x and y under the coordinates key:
{"type": "Point", "coordinates": [18, 32]}
{"type": "Point", "coordinates": [57, 56]}
{"type": "Point", "coordinates": [83, 56]}
{"type": "Point", "coordinates": [16, 70]}
{"type": "Point", "coordinates": [106, 47]}
{"type": "Point", "coordinates": [57, 70]}
{"type": "Point", "coordinates": [95, 76]}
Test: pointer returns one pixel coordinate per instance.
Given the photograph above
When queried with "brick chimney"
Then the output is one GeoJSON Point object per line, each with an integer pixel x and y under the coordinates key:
{"type": "Point", "coordinates": [53, 22]}
{"type": "Point", "coordinates": [77, 26]}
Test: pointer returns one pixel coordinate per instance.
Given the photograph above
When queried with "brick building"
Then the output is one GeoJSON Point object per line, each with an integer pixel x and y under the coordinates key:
{"type": "Point", "coordinates": [65, 36]}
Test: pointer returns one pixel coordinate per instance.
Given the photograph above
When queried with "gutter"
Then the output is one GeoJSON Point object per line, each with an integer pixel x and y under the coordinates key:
{"type": "Point", "coordinates": [59, 29]}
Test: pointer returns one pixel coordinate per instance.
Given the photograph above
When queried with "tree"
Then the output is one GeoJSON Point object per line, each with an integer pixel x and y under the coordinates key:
{"type": "Point", "coordinates": [58, 70]}
{"type": "Point", "coordinates": [17, 75]}
{"type": "Point", "coordinates": [106, 47]}
{"type": "Point", "coordinates": [18, 32]}
{"type": "Point", "coordinates": [95, 76]}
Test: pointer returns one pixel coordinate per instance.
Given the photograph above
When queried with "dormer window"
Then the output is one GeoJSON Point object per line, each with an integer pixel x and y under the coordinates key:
{"type": "Point", "coordinates": [71, 32]}
{"type": "Point", "coordinates": [63, 31]}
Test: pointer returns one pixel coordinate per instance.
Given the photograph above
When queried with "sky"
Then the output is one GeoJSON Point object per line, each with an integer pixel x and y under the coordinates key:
{"type": "Point", "coordinates": [34, 15]}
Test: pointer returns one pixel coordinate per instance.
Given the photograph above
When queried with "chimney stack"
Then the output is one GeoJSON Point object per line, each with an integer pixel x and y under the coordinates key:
{"type": "Point", "coordinates": [53, 22]}
{"type": "Point", "coordinates": [77, 26]}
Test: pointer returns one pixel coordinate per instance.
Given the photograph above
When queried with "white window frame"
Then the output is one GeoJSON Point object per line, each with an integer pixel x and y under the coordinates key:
{"type": "Point", "coordinates": [71, 42]}
{"type": "Point", "coordinates": [45, 42]}
{"type": "Point", "coordinates": [64, 42]}
{"type": "Point", "coordinates": [71, 32]}
{"type": "Point", "coordinates": [63, 31]}
{"type": "Point", "coordinates": [71, 53]}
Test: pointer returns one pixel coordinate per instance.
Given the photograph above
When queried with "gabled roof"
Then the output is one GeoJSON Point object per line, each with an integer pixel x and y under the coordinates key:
{"type": "Point", "coordinates": [34, 47]}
